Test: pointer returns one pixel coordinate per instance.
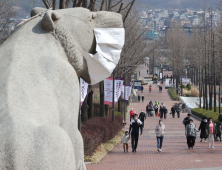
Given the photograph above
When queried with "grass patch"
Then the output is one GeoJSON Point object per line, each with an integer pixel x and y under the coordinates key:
{"type": "Point", "coordinates": [173, 94]}
{"type": "Point", "coordinates": [200, 112]}
{"type": "Point", "coordinates": [102, 149]}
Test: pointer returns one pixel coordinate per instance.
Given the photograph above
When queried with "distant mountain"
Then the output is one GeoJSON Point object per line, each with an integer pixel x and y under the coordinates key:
{"type": "Point", "coordinates": [182, 4]}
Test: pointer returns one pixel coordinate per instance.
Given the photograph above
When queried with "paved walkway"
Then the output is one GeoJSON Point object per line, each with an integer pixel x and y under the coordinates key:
{"type": "Point", "coordinates": [175, 154]}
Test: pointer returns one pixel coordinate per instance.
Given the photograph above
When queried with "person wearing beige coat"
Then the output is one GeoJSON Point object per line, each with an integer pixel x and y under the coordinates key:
{"type": "Point", "coordinates": [160, 131]}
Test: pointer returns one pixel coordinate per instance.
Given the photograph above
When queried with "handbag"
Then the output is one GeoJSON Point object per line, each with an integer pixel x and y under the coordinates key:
{"type": "Point", "coordinates": [158, 114]}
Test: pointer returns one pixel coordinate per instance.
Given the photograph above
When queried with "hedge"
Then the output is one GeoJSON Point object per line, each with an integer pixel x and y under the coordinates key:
{"type": "Point", "coordinates": [200, 112]}
{"type": "Point", "coordinates": [99, 130]}
{"type": "Point", "coordinates": [173, 94]}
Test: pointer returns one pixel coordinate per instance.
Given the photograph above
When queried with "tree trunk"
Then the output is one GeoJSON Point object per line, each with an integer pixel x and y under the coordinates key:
{"type": "Point", "coordinates": [119, 105]}
{"type": "Point", "coordinates": [203, 88]}
{"type": "Point", "coordinates": [54, 4]}
{"type": "Point", "coordinates": [84, 110]}
{"type": "Point", "coordinates": [62, 4]}
{"type": "Point", "coordinates": [206, 100]}
{"type": "Point", "coordinates": [200, 89]}
{"type": "Point", "coordinates": [90, 102]}
{"type": "Point", "coordinates": [85, 3]}
{"type": "Point", "coordinates": [219, 94]}
{"type": "Point", "coordinates": [210, 93]}
{"type": "Point", "coordinates": [102, 107]}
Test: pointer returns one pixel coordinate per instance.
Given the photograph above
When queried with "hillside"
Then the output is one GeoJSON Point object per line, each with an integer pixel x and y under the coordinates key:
{"type": "Point", "coordinates": [24, 7]}
{"type": "Point", "coordinates": [180, 4]}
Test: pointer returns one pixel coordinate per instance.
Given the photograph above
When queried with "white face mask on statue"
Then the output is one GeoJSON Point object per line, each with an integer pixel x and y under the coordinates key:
{"type": "Point", "coordinates": [210, 121]}
{"type": "Point", "coordinates": [109, 43]}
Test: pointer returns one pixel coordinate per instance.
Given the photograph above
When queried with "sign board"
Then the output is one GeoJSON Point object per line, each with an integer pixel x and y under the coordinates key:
{"type": "Point", "coordinates": [137, 83]}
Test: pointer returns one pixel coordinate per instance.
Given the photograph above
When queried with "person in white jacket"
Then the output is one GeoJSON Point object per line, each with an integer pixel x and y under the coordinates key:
{"type": "Point", "coordinates": [160, 131]}
{"type": "Point", "coordinates": [125, 141]}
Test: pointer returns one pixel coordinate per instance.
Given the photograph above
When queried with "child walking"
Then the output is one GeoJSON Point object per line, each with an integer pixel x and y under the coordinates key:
{"type": "Point", "coordinates": [125, 141]}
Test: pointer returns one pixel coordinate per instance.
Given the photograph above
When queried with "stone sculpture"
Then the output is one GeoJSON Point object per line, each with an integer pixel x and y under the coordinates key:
{"type": "Point", "coordinates": [39, 95]}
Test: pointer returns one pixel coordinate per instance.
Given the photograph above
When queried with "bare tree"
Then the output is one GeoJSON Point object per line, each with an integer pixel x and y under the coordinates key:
{"type": "Point", "coordinates": [6, 12]}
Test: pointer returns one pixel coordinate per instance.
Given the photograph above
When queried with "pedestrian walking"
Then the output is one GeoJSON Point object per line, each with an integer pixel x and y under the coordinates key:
{"type": "Point", "coordinates": [138, 98]}
{"type": "Point", "coordinates": [158, 84]}
{"type": "Point", "coordinates": [143, 98]}
{"type": "Point", "coordinates": [190, 133]}
{"type": "Point", "coordinates": [142, 89]}
{"type": "Point", "coordinates": [202, 128]}
{"type": "Point", "coordinates": [211, 132]}
{"type": "Point", "coordinates": [220, 119]}
{"type": "Point", "coordinates": [151, 103]}
{"type": "Point", "coordinates": [218, 126]}
{"type": "Point", "coordinates": [125, 141]}
{"type": "Point", "coordinates": [131, 114]}
{"type": "Point", "coordinates": [150, 88]}
{"type": "Point", "coordinates": [171, 77]}
{"type": "Point", "coordinates": [186, 120]}
{"type": "Point", "coordinates": [147, 110]}
{"type": "Point", "coordinates": [134, 131]}
{"type": "Point", "coordinates": [142, 117]}
{"type": "Point", "coordinates": [147, 71]}
{"type": "Point", "coordinates": [178, 110]}
{"type": "Point", "coordinates": [163, 111]}
{"type": "Point", "coordinates": [157, 103]}
{"type": "Point", "coordinates": [173, 111]}
{"type": "Point", "coordinates": [160, 131]}
{"type": "Point", "coordinates": [156, 109]}
{"type": "Point", "coordinates": [139, 73]}
{"type": "Point", "coordinates": [183, 108]}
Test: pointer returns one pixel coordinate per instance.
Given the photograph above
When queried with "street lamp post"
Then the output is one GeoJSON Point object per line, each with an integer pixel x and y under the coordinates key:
{"type": "Point", "coordinates": [113, 99]}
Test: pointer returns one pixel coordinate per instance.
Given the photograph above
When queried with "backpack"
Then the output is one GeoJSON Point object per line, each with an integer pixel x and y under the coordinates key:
{"type": "Point", "coordinates": [186, 120]}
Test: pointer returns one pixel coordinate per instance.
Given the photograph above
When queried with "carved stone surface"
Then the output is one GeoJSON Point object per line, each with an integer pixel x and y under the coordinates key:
{"type": "Point", "coordinates": [39, 88]}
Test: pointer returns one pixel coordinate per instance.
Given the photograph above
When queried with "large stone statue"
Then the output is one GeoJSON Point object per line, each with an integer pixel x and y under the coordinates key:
{"type": "Point", "coordinates": [39, 95]}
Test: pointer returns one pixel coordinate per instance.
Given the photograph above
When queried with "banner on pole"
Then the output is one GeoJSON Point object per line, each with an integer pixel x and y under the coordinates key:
{"type": "Point", "coordinates": [118, 88]}
{"type": "Point", "coordinates": [108, 90]}
{"type": "Point", "coordinates": [128, 92]}
{"type": "Point", "coordinates": [122, 92]}
{"type": "Point", "coordinates": [83, 88]}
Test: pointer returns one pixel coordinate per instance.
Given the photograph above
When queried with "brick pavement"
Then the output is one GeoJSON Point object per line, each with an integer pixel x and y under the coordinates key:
{"type": "Point", "coordinates": [174, 155]}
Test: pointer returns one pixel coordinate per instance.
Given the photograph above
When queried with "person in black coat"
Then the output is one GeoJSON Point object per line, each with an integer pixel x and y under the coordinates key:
{"type": "Point", "coordinates": [218, 130]}
{"type": "Point", "coordinates": [163, 111]}
{"type": "Point", "coordinates": [202, 127]}
{"type": "Point", "coordinates": [138, 98]}
{"type": "Point", "coordinates": [173, 111]}
{"type": "Point", "coordinates": [135, 129]}
{"type": "Point", "coordinates": [142, 117]}
{"type": "Point", "coordinates": [220, 119]}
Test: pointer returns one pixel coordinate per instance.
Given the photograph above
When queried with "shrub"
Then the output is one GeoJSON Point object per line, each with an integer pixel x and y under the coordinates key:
{"type": "Point", "coordinates": [186, 92]}
{"type": "Point", "coordinates": [99, 130]}
{"type": "Point", "coordinates": [188, 86]}
{"type": "Point", "coordinates": [194, 91]}
{"type": "Point", "coordinates": [200, 112]}
{"type": "Point", "coordinates": [183, 87]}
{"type": "Point", "coordinates": [173, 94]}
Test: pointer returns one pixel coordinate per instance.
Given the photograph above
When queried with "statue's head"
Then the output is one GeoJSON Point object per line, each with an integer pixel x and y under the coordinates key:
{"type": "Point", "coordinates": [74, 28]}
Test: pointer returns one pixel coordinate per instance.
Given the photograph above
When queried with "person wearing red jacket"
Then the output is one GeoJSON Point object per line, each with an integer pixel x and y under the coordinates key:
{"type": "Point", "coordinates": [131, 114]}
